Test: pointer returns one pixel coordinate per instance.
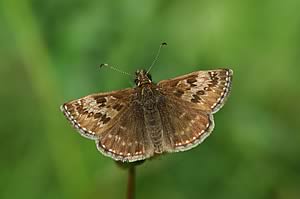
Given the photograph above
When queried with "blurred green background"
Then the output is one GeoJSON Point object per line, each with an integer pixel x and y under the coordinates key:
{"type": "Point", "coordinates": [50, 52]}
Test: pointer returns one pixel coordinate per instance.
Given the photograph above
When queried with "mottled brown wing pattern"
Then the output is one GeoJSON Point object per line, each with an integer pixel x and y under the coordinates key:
{"type": "Point", "coordinates": [189, 104]}
{"type": "Point", "coordinates": [111, 120]}
{"type": "Point", "coordinates": [127, 140]}
{"type": "Point", "coordinates": [93, 114]}
{"type": "Point", "coordinates": [207, 90]}
{"type": "Point", "coordinates": [184, 127]}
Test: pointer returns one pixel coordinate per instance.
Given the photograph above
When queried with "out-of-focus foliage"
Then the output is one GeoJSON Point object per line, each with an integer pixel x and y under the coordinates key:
{"type": "Point", "coordinates": [50, 52]}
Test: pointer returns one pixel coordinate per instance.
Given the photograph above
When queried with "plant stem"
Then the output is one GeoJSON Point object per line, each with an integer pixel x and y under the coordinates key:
{"type": "Point", "coordinates": [131, 182]}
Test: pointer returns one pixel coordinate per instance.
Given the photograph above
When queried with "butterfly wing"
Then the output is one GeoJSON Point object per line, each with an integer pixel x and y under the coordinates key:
{"type": "Point", "coordinates": [206, 90]}
{"type": "Point", "coordinates": [184, 127]}
{"type": "Point", "coordinates": [111, 120]}
{"type": "Point", "coordinates": [187, 110]}
{"type": "Point", "coordinates": [127, 140]}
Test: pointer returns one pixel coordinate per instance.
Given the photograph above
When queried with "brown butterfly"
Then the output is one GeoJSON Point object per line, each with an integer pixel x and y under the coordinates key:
{"type": "Point", "coordinates": [137, 123]}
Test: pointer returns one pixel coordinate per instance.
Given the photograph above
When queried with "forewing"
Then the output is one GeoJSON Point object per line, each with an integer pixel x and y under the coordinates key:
{"type": "Point", "coordinates": [205, 90]}
{"type": "Point", "coordinates": [113, 120]}
{"type": "Point", "coordinates": [95, 113]}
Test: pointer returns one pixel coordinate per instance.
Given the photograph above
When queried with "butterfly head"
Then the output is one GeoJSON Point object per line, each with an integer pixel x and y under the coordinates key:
{"type": "Point", "coordinates": [142, 77]}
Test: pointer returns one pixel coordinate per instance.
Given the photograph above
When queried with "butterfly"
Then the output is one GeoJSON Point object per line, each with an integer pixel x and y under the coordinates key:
{"type": "Point", "coordinates": [150, 119]}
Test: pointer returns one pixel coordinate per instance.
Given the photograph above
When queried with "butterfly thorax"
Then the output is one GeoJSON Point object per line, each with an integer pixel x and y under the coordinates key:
{"type": "Point", "coordinates": [142, 77]}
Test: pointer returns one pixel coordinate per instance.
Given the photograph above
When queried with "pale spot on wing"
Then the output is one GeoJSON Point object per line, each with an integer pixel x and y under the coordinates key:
{"type": "Point", "coordinates": [117, 138]}
{"type": "Point", "coordinates": [91, 105]}
{"type": "Point", "coordinates": [212, 106]}
{"type": "Point", "coordinates": [123, 128]}
{"type": "Point", "coordinates": [201, 132]}
{"type": "Point", "coordinates": [182, 115]}
{"type": "Point", "coordinates": [178, 144]}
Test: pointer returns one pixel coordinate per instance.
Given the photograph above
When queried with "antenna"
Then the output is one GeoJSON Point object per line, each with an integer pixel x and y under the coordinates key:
{"type": "Point", "coordinates": [115, 69]}
{"type": "Point", "coordinates": [157, 55]}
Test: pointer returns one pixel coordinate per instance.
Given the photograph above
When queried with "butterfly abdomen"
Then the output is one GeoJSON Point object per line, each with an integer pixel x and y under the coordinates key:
{"type": "Point", "coordinates": [154, 128]}
{"type": "Point", "coordinates": [152, 119]}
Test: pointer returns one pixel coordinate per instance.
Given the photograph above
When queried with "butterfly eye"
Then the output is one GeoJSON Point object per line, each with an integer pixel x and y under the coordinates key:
{"type": "Point", "coordinates": [136, 81]}
{"type": "Point", "coordinates": [149, 76]}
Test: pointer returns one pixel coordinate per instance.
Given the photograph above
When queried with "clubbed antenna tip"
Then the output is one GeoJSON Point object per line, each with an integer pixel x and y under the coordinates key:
{"type": "Point", "coordinates": [157, 55]}
{"type": "Point", "coordinates": [103, 65]}
{"type": "Point", "coordinates": [115, 69]}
